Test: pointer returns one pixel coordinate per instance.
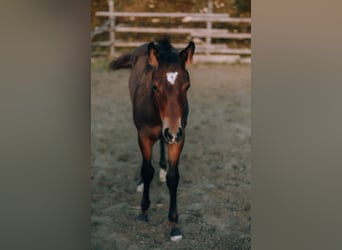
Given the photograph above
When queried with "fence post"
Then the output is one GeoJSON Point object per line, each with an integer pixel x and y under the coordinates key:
{"type": "Point", "coordinates": [112, 29]}
{"type": "Point", "coordinates": [209, 26]}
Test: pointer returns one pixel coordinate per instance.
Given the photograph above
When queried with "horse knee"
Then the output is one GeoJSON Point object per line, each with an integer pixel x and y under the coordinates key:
{"type": "Point", "coordinates": [147, 173]}
{"type": "Point", "coordinates": [172, 179]}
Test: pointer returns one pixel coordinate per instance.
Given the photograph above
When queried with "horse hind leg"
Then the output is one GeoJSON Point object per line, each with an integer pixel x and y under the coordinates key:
{"type": "Point", "coordinates": [140, 186]}
{"type": "Point", "coordinates": [162, 161]}
{"type": "Point", "coordinates": [147, 172]}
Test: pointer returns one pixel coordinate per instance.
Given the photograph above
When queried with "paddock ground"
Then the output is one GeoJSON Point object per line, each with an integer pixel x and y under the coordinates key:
{"type": "Point", "coordinates": [214, 201]}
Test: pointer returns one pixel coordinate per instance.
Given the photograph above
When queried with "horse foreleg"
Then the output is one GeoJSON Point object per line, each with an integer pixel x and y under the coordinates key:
{"type": "Point", "coordinates": [172, 179]}
{"type": "Point", "coordinates": [162, 161]}
{"type": "Point", "coordinates": [147, 172]}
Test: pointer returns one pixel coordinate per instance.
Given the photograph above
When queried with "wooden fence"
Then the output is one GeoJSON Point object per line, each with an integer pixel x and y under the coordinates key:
{"type": "Point", "coordinates": [206, 49]}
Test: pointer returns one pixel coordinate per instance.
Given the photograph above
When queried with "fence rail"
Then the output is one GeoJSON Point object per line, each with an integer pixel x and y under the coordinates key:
{"type": "Point", "coordinates": [206, 49]}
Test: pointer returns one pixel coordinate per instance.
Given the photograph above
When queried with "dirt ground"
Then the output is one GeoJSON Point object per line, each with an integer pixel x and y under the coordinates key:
{"type": "Point", "coordinates": [214, 201]}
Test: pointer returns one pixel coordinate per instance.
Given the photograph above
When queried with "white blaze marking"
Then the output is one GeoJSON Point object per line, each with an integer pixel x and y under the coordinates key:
{"type": "Point", "coordinates": [171, 77]}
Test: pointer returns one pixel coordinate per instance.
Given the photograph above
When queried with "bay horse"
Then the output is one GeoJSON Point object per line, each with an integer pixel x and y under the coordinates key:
{"type": "Point", "coordinates": [158, 86]}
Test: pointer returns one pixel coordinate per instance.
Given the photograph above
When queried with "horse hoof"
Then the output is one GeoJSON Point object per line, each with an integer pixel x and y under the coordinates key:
{"type": "Point", "coordinates": [140, 187]}
{"type": "Point", "coordinates": [142, 217]}
{"type": "Point", "coordinates": [175, 234]}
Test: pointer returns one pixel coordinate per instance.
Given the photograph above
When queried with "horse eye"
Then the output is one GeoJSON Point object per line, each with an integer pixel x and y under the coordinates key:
{"type": "Point", "coordinates": [187, 87]}
{"type": "Point", "coordinates": [154, 88]}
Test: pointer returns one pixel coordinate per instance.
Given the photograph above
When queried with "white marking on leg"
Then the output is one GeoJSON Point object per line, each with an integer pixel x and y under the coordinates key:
{"type": "Point", "coordinates": [176, 238]}
{"type": "Point", "coordinates": [140, 188]}
{"type": "Point", "coordinates": [162, 175]}
{"type": "Point", "coordinates": [171, 77]}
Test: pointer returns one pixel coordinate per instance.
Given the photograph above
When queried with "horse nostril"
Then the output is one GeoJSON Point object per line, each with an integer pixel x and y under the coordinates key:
{"type": "Point", "coordinates": [180, 133]}
{"type": "Point", "coordinates": [167, 135]}
{"type": "Point", "coordinates": [172, 138]}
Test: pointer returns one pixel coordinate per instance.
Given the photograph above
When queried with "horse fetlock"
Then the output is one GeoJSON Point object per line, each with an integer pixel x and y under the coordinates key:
{"type": "Point", "coordinates": [163, 164]}
{"type": "Point", "coordinates": [145, 204]}
{"type": "Point", "coordinates": [173, 216]}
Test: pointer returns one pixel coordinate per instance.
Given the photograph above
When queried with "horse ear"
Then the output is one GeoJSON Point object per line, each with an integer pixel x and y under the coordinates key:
{"type": "Point", "coordinates": [152, 55]}
{"type": "Point", "coordinates": [187, 54]}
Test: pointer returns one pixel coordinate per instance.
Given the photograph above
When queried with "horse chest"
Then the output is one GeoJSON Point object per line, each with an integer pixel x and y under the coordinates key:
{"type": "Point", "coordinates": [145, 115]}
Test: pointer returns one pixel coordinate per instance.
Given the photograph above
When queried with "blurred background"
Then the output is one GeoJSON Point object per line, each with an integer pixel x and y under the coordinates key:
{"type": "Point", "coordinates": [221, 29]}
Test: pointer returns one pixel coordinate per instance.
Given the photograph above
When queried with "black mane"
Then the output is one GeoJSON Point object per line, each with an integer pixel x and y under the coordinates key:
{"type": "Point", "coordinates": [164, 43]}
{"type": "Point", "coordinates": [167, 53]}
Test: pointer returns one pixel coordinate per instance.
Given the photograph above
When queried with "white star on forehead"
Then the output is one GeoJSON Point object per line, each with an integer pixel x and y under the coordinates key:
{"type": "Point", "coordinates": [171, 77]}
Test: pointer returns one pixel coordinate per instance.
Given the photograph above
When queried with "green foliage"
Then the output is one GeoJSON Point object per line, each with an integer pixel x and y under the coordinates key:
{"type": "Point", "coordinates": [243, 6]}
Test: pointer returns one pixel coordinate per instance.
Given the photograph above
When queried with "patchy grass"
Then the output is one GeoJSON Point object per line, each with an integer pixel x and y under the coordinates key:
{"type": "Point", "coordinates": [100, 63]}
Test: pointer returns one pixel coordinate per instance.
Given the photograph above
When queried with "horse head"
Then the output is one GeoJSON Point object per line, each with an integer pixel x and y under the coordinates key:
{"type": "Point", "coordinates": [170, 83]}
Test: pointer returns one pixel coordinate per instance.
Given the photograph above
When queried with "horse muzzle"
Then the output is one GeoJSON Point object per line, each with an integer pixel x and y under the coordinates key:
{"type": "Point", "coordinates": [172, 138]}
